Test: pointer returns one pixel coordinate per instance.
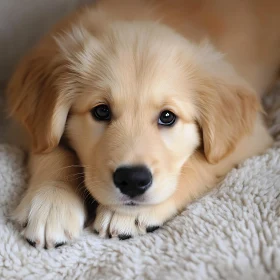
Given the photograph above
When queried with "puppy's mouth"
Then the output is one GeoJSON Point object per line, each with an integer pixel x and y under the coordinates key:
{"type": "Point", "coordinates": [130, 203]}
{"type": "Point", "coordinates": [133, 202]}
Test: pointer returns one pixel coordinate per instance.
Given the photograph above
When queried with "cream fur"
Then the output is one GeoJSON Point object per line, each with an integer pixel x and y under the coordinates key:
{"type": "Point", "coordinates": [140, 59]}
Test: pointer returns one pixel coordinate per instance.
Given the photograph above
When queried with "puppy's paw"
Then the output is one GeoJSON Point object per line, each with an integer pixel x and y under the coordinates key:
{"type": "Point", "coordinates": [51, 216]}
{"type": "Point", "coordinates": [109, 223]}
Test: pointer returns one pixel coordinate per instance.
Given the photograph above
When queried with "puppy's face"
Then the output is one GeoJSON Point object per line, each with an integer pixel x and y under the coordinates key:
{"type": "Point", "coordinates": [133, 100]}
{"type": "Point", "coordinates": [133, 127]}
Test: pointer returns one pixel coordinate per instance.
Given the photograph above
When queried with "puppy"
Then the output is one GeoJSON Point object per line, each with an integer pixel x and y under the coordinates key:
{"type": "Point", "coordinates": [155, 100]}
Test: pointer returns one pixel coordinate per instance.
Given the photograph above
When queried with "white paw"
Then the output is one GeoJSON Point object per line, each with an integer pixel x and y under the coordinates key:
{"type": "Point", "coordinates": [109, 223]}
{"type": "Point", "coordinates": [51, 215]}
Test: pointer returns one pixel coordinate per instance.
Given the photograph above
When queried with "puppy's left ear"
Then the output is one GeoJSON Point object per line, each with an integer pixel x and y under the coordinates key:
{"type": "Point", "coordinates": [227, 112]}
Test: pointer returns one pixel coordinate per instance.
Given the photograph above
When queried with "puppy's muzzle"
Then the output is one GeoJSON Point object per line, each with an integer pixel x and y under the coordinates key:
{"type": "Point", "coordinates": [133, 180]}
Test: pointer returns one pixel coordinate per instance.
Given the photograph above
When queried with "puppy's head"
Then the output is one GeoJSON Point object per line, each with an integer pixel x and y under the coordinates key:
{"type": "Point", "coordinates": [136, 101]}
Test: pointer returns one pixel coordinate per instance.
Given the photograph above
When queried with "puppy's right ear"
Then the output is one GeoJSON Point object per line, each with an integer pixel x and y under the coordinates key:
{"type": "Point", "coordinates": [34, 97]}
{"type": "Point", "coordinates": [42, 89]}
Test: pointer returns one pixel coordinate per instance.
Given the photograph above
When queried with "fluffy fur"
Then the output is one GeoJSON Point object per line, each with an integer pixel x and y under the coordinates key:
{"type": "Point", "coordinates": [140, 58]}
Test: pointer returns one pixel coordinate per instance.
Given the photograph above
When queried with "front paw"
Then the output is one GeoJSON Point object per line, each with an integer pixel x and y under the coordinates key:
{"type": "Point", "coordinates": [109, 223]}
{"type": "Point", "coordinates": [51, 216]}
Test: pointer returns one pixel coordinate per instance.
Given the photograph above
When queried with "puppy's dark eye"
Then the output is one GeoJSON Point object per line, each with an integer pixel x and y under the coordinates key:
{"type": "Point", "coordinates": [101, 113]}
{"type": "Point", "coordinates": [166, 118]}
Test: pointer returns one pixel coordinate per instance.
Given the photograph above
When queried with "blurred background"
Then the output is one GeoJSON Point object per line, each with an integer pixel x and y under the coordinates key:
{"type": "Point", "coordinates": [23, 22]}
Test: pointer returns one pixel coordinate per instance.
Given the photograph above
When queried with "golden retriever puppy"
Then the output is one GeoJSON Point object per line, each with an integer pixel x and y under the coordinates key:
{"type": "Point", "coordinates": [151, 101]}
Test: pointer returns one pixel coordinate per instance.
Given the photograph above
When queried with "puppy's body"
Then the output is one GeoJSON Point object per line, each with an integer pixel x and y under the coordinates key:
{"type": "Point", "coordinates": [142, 58]}
{"type": "Point", "coordinates": [243, 30]}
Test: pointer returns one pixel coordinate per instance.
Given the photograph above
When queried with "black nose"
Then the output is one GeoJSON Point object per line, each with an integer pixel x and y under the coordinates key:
{"type": "Point", "coordinates": [133, 181]}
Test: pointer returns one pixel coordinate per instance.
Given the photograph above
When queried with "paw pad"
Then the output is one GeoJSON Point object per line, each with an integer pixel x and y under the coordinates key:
{"type": "Point", "coordinates": [124, 236]}
{"type": "Point", "coordinates": [152, 228]}
{"type": "Point", "coordinates": [31, 242]}
{"type": "Point", "coordinates": [59, 244]}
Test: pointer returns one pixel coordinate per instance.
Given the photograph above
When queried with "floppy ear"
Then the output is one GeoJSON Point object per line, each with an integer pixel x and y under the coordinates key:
{"type": "Point", "coordinates": [34, 97]}
{"type": "Point", "coordinates": [42, 90]}
{"type": "Point", "coordinates": [227, 112]}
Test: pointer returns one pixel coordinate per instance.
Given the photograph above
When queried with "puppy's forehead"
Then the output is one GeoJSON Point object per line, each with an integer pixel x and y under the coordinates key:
{"type": "Point", "coordinates": [143, 71]}
{"type": "Point", "coordinates": [133, 67]}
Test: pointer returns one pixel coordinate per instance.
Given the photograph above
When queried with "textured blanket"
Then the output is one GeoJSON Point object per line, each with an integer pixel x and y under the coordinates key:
{"type": "Point", "coordinates": [231, 233]}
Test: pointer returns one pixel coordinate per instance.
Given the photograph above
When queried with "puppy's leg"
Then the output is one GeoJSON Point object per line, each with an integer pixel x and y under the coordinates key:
{"type": "Point", "coordinates": [52, 210]}
{"type": "Point", "coordinates": [129, 221]}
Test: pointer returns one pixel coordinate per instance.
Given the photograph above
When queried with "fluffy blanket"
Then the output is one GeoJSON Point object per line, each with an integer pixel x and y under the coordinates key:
{"type": "Point", "coordinates": [231, 233]}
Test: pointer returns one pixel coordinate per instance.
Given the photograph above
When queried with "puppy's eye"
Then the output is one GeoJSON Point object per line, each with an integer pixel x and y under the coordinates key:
{"type": "Point", "coordinates": [101, 113]}
{"type": "Point", "coordinates": [166, 118]}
